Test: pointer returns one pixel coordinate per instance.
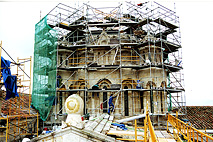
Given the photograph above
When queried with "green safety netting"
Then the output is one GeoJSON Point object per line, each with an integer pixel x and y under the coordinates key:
{"type": "Point", "coordinates": [44, 69]}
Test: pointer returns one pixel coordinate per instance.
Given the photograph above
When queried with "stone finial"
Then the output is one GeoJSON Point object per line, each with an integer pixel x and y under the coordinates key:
{"type": "Point", "coordinates": [74, 107]}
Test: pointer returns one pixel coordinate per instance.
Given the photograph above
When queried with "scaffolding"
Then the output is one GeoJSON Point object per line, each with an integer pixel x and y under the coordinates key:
{"type": "Point", "coordinates": [18, 119]}
{"type": "Point", "coordinates": [132, 51]}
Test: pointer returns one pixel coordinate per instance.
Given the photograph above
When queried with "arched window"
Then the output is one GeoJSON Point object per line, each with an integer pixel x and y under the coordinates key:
{"type": "Point", "coordinates": [104, 84]}
{"type": "Point", "coordinates": [66, 62]}
{"type": "Point", "coordinates": [144, 58]}
{"type": "Point", "coordinates": [150, 86]}
{"type": "Point", "coordinates": [163, 84]}
{"type": "Point", "coordinates": [61, 59]}
{"type": "Point", "coordinates": [105, 100]}
{"type": "Point", "coordinates": [126, 102]}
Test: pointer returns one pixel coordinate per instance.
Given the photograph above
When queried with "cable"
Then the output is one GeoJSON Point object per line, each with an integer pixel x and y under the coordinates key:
{"type": "Point", "coordinates": [15, 62]}
{"type": "Point", "coordinates": [21, 62]}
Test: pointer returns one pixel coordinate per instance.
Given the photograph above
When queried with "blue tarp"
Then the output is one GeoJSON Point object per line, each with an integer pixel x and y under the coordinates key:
{"type": "Point", "coordinates": [122, 126]}
{"type": "Point", "coordinates": [10, 81]}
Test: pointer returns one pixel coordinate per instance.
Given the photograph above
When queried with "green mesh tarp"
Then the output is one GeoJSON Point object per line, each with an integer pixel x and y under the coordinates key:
{"type": "Point", "coordinates": [44, 69]}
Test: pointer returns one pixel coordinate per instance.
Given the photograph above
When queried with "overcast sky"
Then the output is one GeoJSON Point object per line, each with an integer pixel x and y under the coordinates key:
{"type": "Point", "coordinates": [17, 26]}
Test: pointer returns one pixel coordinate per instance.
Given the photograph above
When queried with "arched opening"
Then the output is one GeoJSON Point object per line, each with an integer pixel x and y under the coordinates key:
{"type": "Point", "coordinates": [61, 59]}
{"type": "Point", "coordinates": [163, 85]}
{"type": "Point", "coordinates": [79, 84]}
{"type": "Point", "coordinates": [129, 83]}
{"type": "Point", "coordinates": [144, 58]}
{"type": "Point", "coordinates": [126, 102]}
{"type": "Point", "coordinates": [60, 102]}
{"type": "Point", "coordinates": [66, 62]}
{"type": "Point", "coordinates": [150, 86]}
{"type": "Point", "coordinates": [105, 102]}
{"type": "Point", "coordinates": [141, 100]}
{"type": "Point", "coordinates": [85, 101]}
{"type": "Point", "coordinates": [161, 101]}
{"type": "Point", "coordinates": [129, 103]}
{"type": "Point", "coordinates": [84, 96]}
{"type": "Point", "coordinates": [104, 84]}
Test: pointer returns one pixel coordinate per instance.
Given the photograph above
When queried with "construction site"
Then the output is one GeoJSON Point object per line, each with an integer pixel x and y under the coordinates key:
{"type": "Point", "coordinates": [102, 74]}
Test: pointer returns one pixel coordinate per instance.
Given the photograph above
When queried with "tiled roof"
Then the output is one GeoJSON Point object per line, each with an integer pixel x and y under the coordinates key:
{"type": "Point", "coordinates": [200, 117]}
{"type": "Point", "coordinates": [14, 104]}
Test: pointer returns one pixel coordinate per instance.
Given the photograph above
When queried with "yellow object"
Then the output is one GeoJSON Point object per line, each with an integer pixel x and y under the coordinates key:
{"type": "Point", "coordinates": [136, 135]}
{"type": "Point", "coordinates": [64, 24]}
{"type": "Point", "coordinates": [151, 130]}
{"type": "Point", "coordinates": [189, 133]}
{"type": "Point", "coordinates": [4, 127]}
{"type": "Point", "coordinates": [148, 124]}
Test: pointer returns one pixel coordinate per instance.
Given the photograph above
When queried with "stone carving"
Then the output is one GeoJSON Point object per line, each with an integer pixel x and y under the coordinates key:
{"type": "Point", "coordinates": [74, 107]}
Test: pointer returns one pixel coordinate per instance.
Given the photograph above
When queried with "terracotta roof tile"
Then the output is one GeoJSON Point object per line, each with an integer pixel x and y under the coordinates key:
{"type": "Point", "coordinates": [14, 104]}
{"type": "Point", "coordinates": [200, 117]}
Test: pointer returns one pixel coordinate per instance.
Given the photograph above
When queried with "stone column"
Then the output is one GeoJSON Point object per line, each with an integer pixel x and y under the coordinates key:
{"type": "Point", "coordinates": [63, 101]}
{"type": "Point", "coordinates": [164, 102]}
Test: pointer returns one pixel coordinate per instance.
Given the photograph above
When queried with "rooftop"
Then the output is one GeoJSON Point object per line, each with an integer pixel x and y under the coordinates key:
{"type": "Point", "coordinates": [200, 117]}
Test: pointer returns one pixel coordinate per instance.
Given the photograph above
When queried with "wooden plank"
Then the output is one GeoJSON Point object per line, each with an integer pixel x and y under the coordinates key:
{"type": "Point", "coordinates": [166, 135]}
{"type": "Point", "coordinates": [101, 125]}
{"type": "Point", "coordinates": [88, 123]}
{"type": "Point", "coordinates": [129, 133]}
{"type": "Point", "coordinates": [106, 116]}
{"type": "Point", "coordinates": [166, 140]}
{"type": "Point", "coordinates": [95, 123]}
{"type": "Point", "coordinates": [111, 118]}
{"type": "Point", "coordinates": [107, 127]}
{"type": "Point", "coordinates": [159, 134]}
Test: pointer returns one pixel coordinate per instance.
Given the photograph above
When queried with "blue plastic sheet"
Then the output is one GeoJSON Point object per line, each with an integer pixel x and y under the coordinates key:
{"type": "Point", "coordinates": [122, 126]}
{"type": "Point", "coordinates": [10, 81]}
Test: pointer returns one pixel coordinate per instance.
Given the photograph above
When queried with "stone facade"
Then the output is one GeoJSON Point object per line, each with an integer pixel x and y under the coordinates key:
{"type": "Point", "coordinates": [109, 69]}
{"type": "Point", "coordinates": [131, 56]}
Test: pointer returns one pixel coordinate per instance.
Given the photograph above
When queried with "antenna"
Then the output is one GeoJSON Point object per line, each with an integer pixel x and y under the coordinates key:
{"type": "Point", "coordinates": [174, 8]}
{"type": "Point", "coordinates": [175, 12]}
{"type": "Point", "coordinates": [40, 14]}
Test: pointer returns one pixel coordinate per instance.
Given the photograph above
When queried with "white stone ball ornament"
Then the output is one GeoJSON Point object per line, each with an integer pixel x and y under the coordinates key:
{"type": "Point", "coordinates": [74, 106]}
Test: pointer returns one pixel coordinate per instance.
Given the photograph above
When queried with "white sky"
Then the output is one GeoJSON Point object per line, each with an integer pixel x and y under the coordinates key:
{"type": "Point", "coordinates": [17, 26]}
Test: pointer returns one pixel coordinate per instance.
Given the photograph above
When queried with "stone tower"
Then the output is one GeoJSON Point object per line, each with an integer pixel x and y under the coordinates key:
{"type": "Point", "coordinates": [132, 53]}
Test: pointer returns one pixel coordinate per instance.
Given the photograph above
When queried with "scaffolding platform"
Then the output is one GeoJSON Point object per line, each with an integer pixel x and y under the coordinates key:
{"type": "Point", "coordinates": [143, 22]}
{"type": "Point", "coordinates": [169, 90]}
{"type": "Point", "coordinates": [170, 67]}
{"type": "Point", "coordinates": [169, 46]}
{"type": "Point", "coordinates": [165, 23]}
